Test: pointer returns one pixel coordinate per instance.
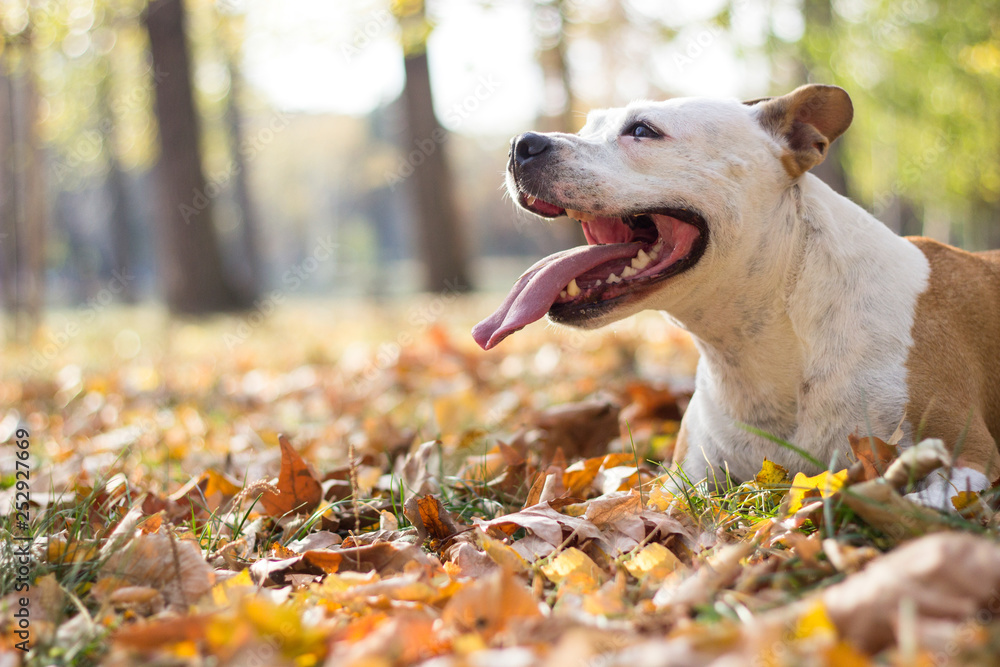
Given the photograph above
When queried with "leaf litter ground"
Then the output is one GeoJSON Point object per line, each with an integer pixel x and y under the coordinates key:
{"type": "Point", "coordinates": [345, 484]}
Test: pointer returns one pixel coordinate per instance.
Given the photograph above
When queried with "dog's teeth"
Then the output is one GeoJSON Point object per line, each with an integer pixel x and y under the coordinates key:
{"type": "Point", "coordinates": [640, 261]}
{"type": "Point", "coordinates": [613, 279]}
{"type": "Point", "coordinates": [572, 289]}
{"type": "Point", "coordinates": [562, 294]}
{"type": "Point", "coordinates": [597, 284]}
{"type": "Point", "coordinates": [582, 216]}
{"type": "Point", "coordinates": [628, 272]}
{"type": "Point", "coordinates": [530, 200]}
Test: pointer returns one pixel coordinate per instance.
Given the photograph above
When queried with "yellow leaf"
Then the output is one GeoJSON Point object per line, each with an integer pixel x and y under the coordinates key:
{"type": "Point", "coordinates": [219, 483]}
{"type": "Point", "coordinates": [222, 594]}
{"type": "Point", "coordinates": [574, 567]}
{"type": "Point", "coordinates": [502, 555]}
{"type": "Point", "coordinates": [815, 624]}
{"type": "Point", "coordinates": [822, 485]}
{"type": "Point", "coordinates": [659, 499]}
{"type": "Point", "coordinates": [771, 475]}
{"type": "Point", "coordinates": [654, 560]}
{"type": "Point", "coordinates": [964, 499]}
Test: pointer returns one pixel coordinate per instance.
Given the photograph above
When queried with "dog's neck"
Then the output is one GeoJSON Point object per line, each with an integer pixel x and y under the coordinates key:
{"type": "Point", "coordinates": [786, 308]}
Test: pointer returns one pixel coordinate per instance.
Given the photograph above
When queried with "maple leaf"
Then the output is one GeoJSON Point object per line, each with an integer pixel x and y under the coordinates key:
{"type": "Point", "coordinates": [298, 488]}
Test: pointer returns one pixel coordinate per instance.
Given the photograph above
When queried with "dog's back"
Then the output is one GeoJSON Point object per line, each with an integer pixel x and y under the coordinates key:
{"type": "Point", "coordinates": [954, 364]}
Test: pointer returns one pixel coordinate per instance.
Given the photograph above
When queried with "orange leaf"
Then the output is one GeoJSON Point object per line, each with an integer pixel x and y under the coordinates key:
{"type": "Point", "coordinates": [298, 488]}
{"type": "Point", "coordinates": [488, 605]}
{"type": "Point", "coordinates": [874, 454]}
{"type": "Point", "coordinates": [145, 636]}
{"type": "Point", "coordinates": [438, 527]}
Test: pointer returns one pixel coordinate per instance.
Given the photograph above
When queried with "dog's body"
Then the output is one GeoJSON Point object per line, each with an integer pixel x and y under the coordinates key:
{"type": "Point", "coordinates": [814, 321]}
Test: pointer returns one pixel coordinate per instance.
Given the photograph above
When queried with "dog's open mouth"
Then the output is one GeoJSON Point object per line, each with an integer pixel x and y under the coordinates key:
{"type": "Point", "coordinates": [624, 254]}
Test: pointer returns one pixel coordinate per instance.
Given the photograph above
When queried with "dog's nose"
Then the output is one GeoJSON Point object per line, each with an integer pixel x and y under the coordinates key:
{"type": "Point", "coordinates": [529, 145]}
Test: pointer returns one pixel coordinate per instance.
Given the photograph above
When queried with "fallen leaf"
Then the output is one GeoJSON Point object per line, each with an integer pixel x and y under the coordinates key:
{"type": "Point", "coordinates": [653, 561]}
{"type": "Point", "coordinates": [575, 569]}
{"type": "Point", "coordinates": [874, 454]}
{"type": "Point", "coordinates": [490, 605]}
{"type": "Point", "coordinates": [772, 476]}
{"type": "Point", "coordinates": [298, 488]}
{"type": "Point", "coordinates": [430, 518]}
{"type": "Point", "coordinates": [964, 500]}
{"type": "Point", "coordinates": [916, 462]}
{"type": "Point", "coordinates": [418, 471]}
{"type": "Point", "coordinates": [174, 567]}
{"type": "Point", "coordinates": [882, 507]}
{"type": "Point", "coordinates": [823, 485]}
{"type": "Point", "coordinates": [947, 576]}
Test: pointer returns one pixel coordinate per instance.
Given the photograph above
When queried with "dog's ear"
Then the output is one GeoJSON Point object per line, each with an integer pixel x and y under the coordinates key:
{"type": "Point", "coordinates": [808, 119]}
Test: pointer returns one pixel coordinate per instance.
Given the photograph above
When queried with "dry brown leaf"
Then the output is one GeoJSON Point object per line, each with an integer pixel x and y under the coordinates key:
{"type": "Point", "coordinates": [580, 430]}
{"type": "Point", "coordinates": [430, 518]}
{"type": "Point", "coordinates": [712, 574]}
{"type": "Point", "coordinates": [916, 462]}
{"type": "Point", "coordinates": [544, 522]}
{"type": "Point", "coordinates": [873, 453]}
{"type": "Point", "coordinates": [881, 507]}
{"type": "Point", "coordinates": [299, 490]}
{"type": "Point", "coordinates": [384, 557]}
{"type": "Point", "coordinates": [613, 508]}
{"type": "Point", "coordinates": [946, 576]}
{"type": "Point", "coordinates": [419, 469]}
{"type": "Point", "coordinates": [174, 567]}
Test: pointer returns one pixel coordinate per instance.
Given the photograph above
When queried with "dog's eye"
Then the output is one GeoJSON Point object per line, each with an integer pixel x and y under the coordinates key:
{"type": "Point", "coordinates": [640, 130]}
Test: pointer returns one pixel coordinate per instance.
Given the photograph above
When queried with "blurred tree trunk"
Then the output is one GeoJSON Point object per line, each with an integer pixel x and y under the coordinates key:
{"type": "Point", "coordinates": [190, 261]}
{"type": "Point", "coordinates": [8, 203]}
{"type": "Point", "coordinates": [22, 234]}
{"type": "Point", "coordinates": [120, 227]}
{"type": "Point", "coordinates": [439, 232]}
{"type": "Point", "coordinates": [249, 279]}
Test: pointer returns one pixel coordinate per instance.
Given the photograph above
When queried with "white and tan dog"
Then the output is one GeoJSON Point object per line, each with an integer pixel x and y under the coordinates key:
{"type": "Point", "coordinates": [813, 319]}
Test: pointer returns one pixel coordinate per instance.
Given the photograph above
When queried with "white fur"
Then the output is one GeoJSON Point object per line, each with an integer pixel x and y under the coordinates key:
{"type": "Point", "coordinates": [802, 304]}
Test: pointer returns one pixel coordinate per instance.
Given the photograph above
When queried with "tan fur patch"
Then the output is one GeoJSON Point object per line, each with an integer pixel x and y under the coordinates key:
{"type": "Point", "coordinates": [954, 364]}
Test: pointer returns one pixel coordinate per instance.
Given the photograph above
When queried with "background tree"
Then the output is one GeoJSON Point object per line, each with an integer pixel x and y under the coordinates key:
{"type": "Point", "coordinates": [439, 233]}
{"type": "Point", "coordinates": [22, 185]}
{"type": "Point", "coordinates": [190, 260]}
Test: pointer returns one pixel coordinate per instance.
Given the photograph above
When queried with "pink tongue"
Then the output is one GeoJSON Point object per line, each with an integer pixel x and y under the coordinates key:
{"type": "Point", "coordinates": [539, 287]}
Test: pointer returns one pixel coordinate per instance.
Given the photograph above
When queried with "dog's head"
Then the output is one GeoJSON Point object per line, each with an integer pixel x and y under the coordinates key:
{"type": "Point", "coordinates": [669, 194]}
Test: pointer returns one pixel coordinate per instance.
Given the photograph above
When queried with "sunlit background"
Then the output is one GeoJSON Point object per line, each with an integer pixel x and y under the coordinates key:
{"type": "Point", "coordinates": [300, 172]}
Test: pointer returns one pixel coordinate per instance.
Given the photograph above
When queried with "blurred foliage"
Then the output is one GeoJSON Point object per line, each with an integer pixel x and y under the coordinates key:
{"type": "Point", "coordinates": [925, 78]}
{"type": "Point", "coordinates": [924, 75]}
